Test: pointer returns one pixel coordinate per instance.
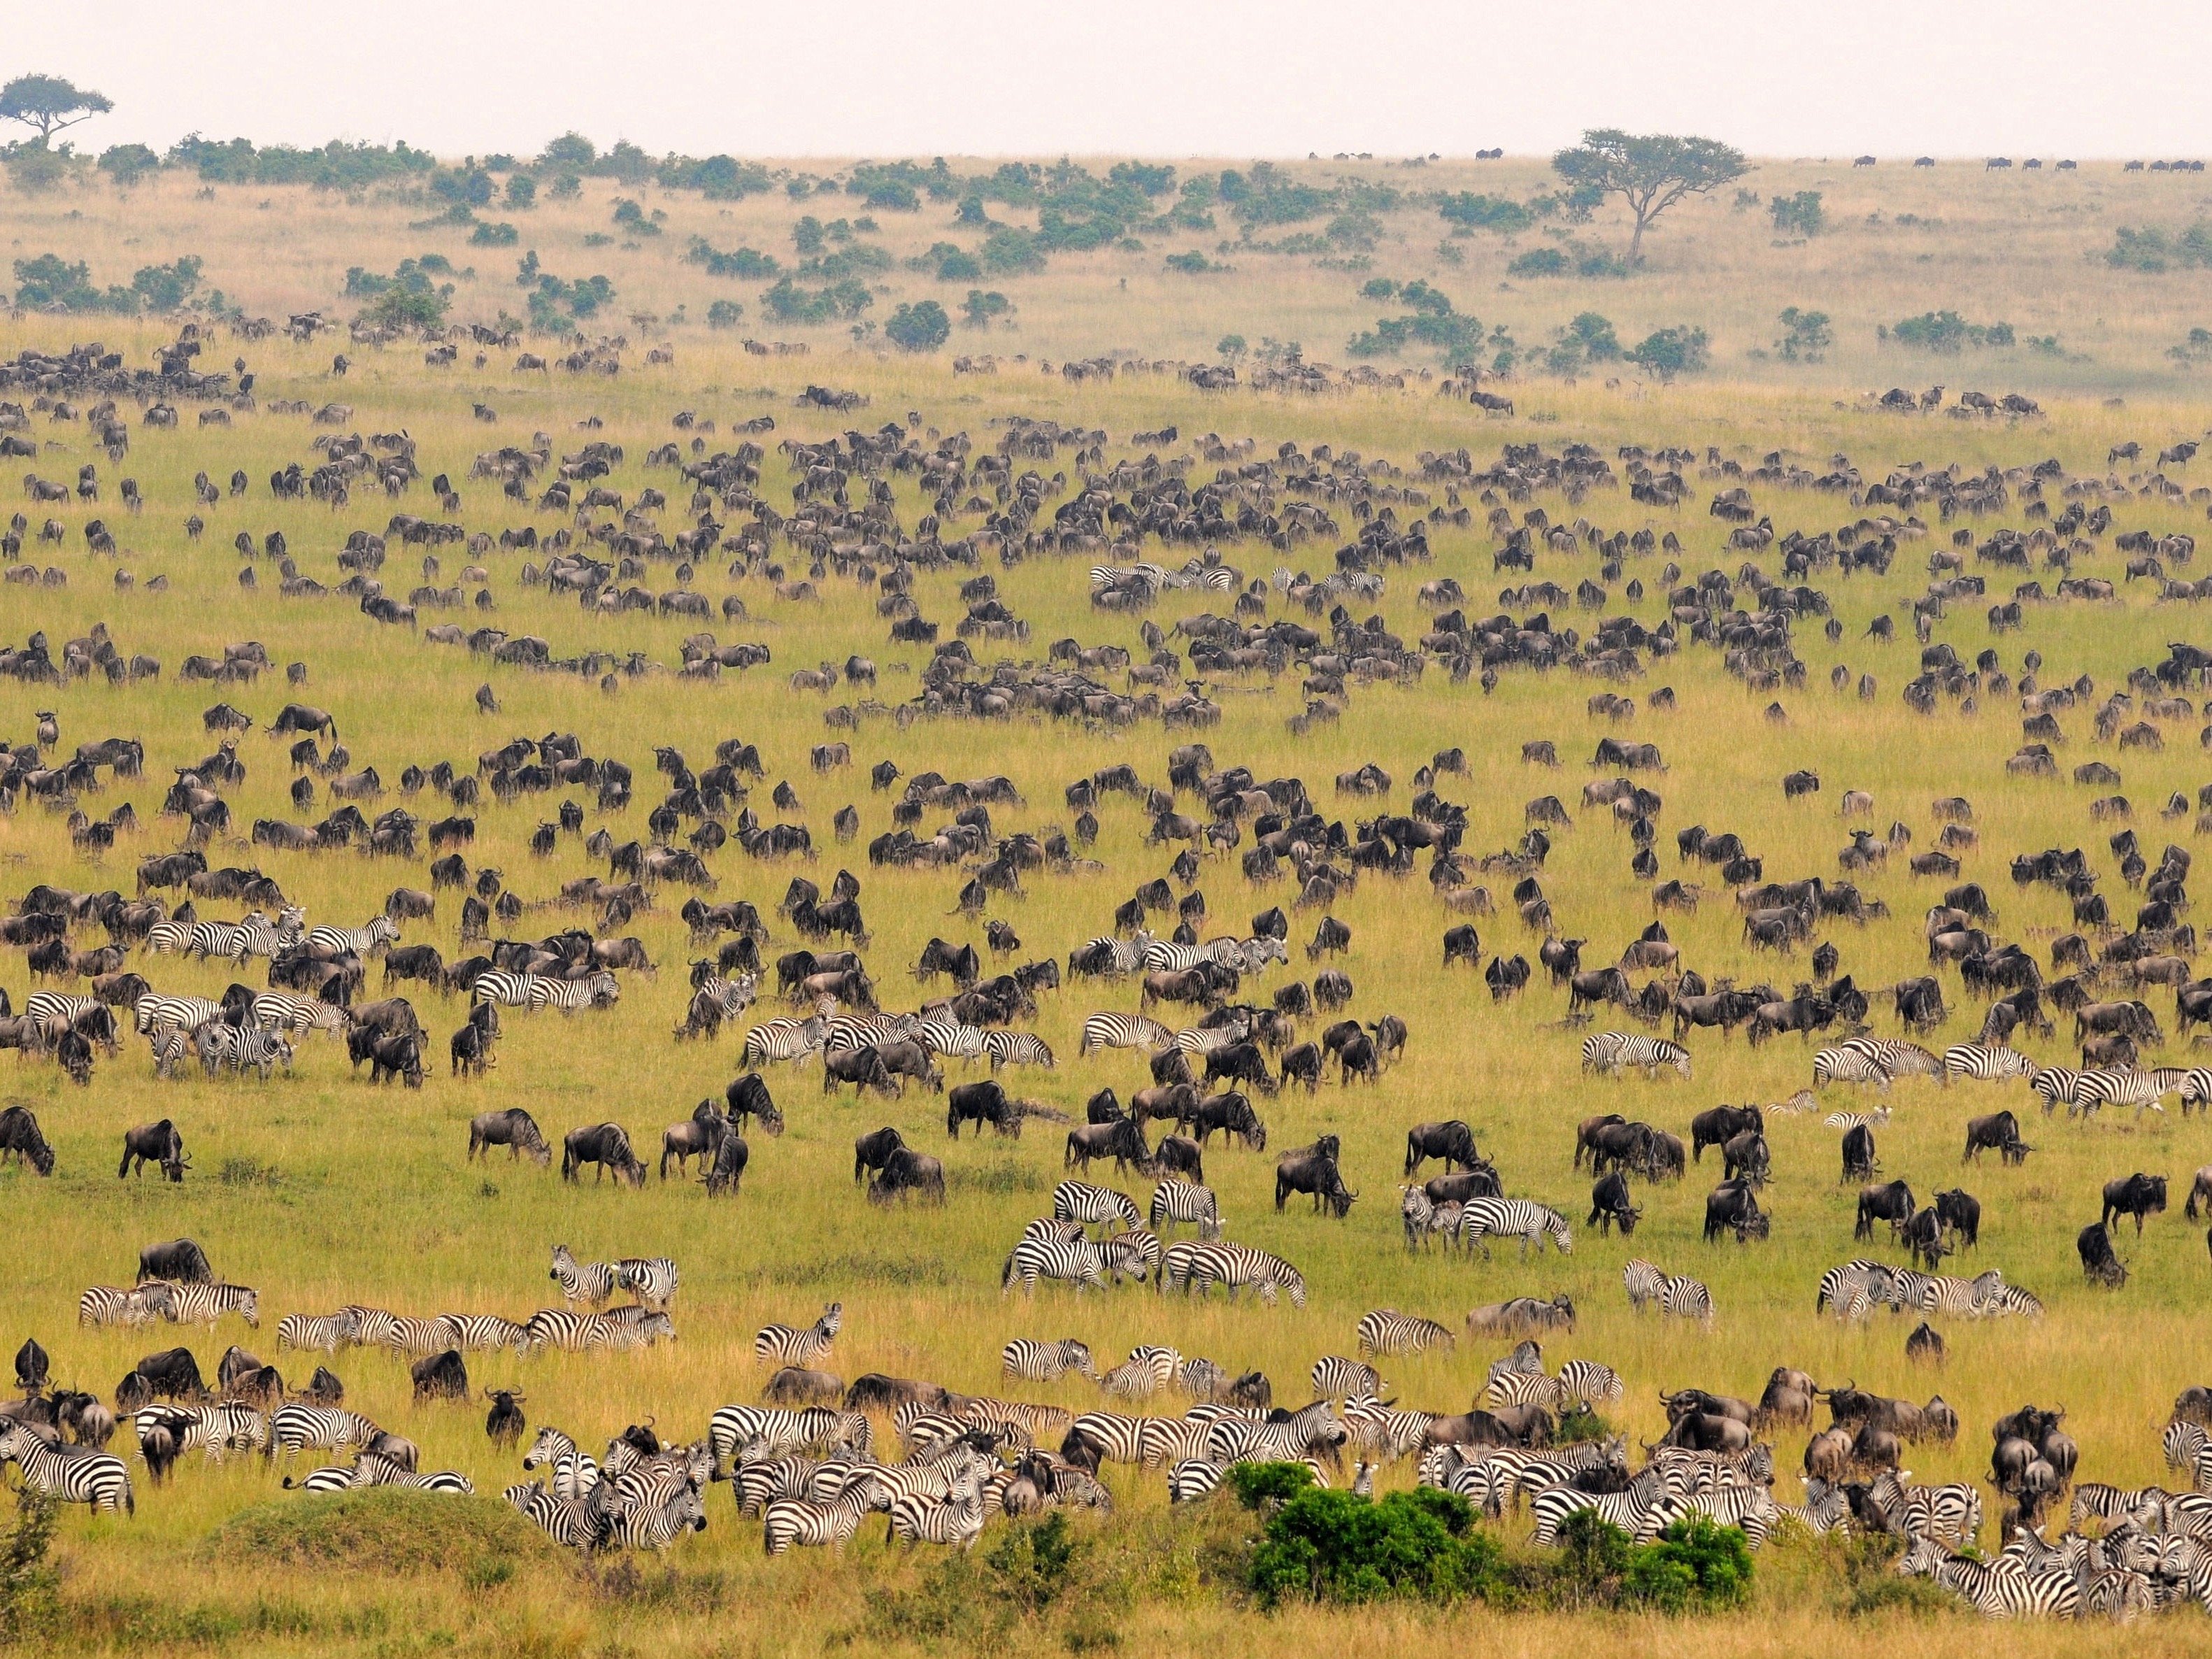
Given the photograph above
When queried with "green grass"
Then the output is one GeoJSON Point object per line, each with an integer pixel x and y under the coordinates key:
{"type": "Point", "coordinates": [349, 1193]}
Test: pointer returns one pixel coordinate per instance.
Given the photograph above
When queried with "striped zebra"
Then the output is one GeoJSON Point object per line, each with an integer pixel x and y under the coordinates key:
{"type": "Point", "coordinates": [848, 1031]}
{"type": "Point", "coordinates": [213, 1429]}
{"type": "Point", "coordinates": [1197, 1477]}
{"type": "Point", "coordinates": [1848, 1063]}
{"type": "Point", "coordinates": [1945, 1294]}
{"type": "Point", "coordinates": [2056, 1086]}
{"type": "Point", "coordinates": [2125, 1087]}
{"type": "Point", "coordinates": [1386, 1331]}
{"type": "Point", "coordinates": [1684, 1297]}
{"type": "Point", "coordinates": [155, 1014]}
{"type": "Point", "coordinates": [171, 1049]}
{"type": "Point", "coordinates": [943, 1035]}
{"type": "Point", "coordinates": [1873, 1119]}
{"type": "Point", "coordinates": [1336, 1378]}
{"type": "Point", "coordinates": [111, 1304]}
{"type": "Point", "coordinates": [575, 1472]}
{"type": "Point", "coordinates": [281, 1010]}
{"type": "Point", "coordinates": [1382, 1431]}
{"type": "Point", "coordinates": [1853, 1289]}
{"type": "Point", "coordinates": [955, 1520]}
{"type": "Point", "coordinates": [1199, 1266]}
{"type": "Point", "coordinates": [1016, 1049]}
{"type": "Point", "coordinates": [318, 1428]}
{"type": "Point", "coordinates": [1162, 1442]}
{"type": "Point", "coordinates": [316, 1333]}
{"type": "Point", "coordinates": [784, 1039]}
{"type": "Point", "coordinates": [1952, 1513]}
{"type": "Point", "coordinates": [1898, 1059]}
{"type": "Point", "coordinates": [651, 1280]}
{"type": "Point", "coordinates": [2181, 1442]}
{"type": "Point", "coordinates": [371, 1470]}
{"type": "Point", "coordinates": [1424, 1220]}
{"type": "Point", "coordinates": [1110, 1030]}
{"type": "Point", "coordinates": [372, 1327]}
{"type": "Point", "coordinates": [1132, 1253]}
{"type": "Point", "coordinates": [534, 993]}
{"type": "Point", "coordinates": [1077, 1261]}
{"type": "Point", "coordinates": [1482, 1219]}
{"type": "Point", "coordinates": [328, 942]}
{"type": "Point", "coordinates": [730, 997]}
{"type": "Point", "coordinates": [76, 1474]}
{"type": "Point", "coordinates": [1999, 1590]}
{"type": "Point", "coordinates": [253, 936]}
{"type": "Point", "coordinates": [819, 1524]}
{"type": "Point", "coordinates": [782, 1430]}
{"type": "Point", "coordinates": [1980, 1062]}
{"type": "Point", "coordinates": [800, 1345]}
{"type": "Point", "coordinates": [1178, 1201]}
{"type": "Point", "coordinates": [164, 937]}
{"type": "Point", "coordinates": [1753, 1509]}
{"type": "Point", "coordinates": [593, 1282]}
{"type": "Point", "coordinates": [1644, 1280]}
{"type": "Point", "coordinates": [1522, 1388]}
{"type": "Point", "coordinates": [1145, 1372]}
{"type": "Point", "coordinates": [567, 1330]}
{"type": "Point", "coordinates": [1611, 1052]}
{"type": "Point", "coordinates": [1112, 958]}
{"type": "Point", "coordinates": [411, 1337]}
{"type": "Point", "coordinates": [205, 1305]}
{"type": "Point", "coordinates": [56, 1011]}
{"type": "Point", "coordinates": [221, 1045]}
{"type": "Point", "coordinates": [1588, 1382]}
{"type": "Point", "coordinates": [762, 1482]}
{"type": "Point", "coordinates": [1081, 1201]}
{"type": "Point", "coordinates": [1198, 1042]}
{"type": "Point", "coordinates": [481, 1332]}
{"type": "Point", "coordinates": [335, 1477]}
{"type": "Point", "coordinates": [1642, 1511]}
{"type": "Point", "coordinates": [2013, 1299]}
{"type": "Point", "coordinates": [566, 1519]}
{"type": "Point", "coordinates": [2197, 1089]}
{"type": "Point", "coordinates": [1241, 1440]}
{"type": "Point", "coordinates": [1034, 1361]}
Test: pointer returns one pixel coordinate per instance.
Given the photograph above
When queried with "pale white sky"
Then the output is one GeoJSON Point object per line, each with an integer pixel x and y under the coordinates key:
{"type": "Point", "coordinates": [1161, 77]}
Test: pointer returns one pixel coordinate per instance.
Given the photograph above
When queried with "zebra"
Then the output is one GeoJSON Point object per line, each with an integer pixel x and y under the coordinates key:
{"type": "Point", "coordinates": [1382, 1431]}
{"type": "Point", "coordinates": [1522, 1388]}
{"type": "Point", "coordinates": [1034, 1361]}
{"type": "Point", "coordinates": [328, 942]}
{"type": "Point", "coordinates": [784, 1039]}
{"type": "Point", "coordinates": [1078, 1261]}
{"type": "Point", "coordinates": [789, 1345]}
{"type": "Point", "coordinates": [1853, 1289]}
{"type": "Point", "coordinates": [1642, 1511]}
{"type": "Point", "coordinates": [214, 1429]}
{"type": "Point", "coordinates": [1336, 1378]}
{"type": "Point", "coordinates": [1610, 1052]}
{"type": "Point", "coordinates": [1588, 1382]}
{"type": "Point", "coordinates": [567, 1519]}
{"type": "Point", "coordinates": [2181, 1442]}
{"type": "Point", "coordinates": [956, 1520]}
{"type": "Point", "coordinates": [1166, 1441]}
{"type": "Point", "coordinates": [318, 1332]}
{"type": "Point", "coordinates": [652, 1520]}
{"type": "Point", "coordinates": [574, 1473]}
{"type": "Point", "coordinates": [280, 1010]}
{"type": "Point", "coordinates": [204, 1304]}
{"type": "Point", "coordinates": [56, 1011]}
{"type": "Point", "coordinates": [1848, 1063]}
{"type": "Point", "coordinates": [762, 1482]}
{"type": "Point", "coordinates": [1999, 1590]}
{"type": "Point", "coordinates": [241, 1050]}
{"type": "Point", "coordinates": [1952, 1513]}
{"type": "Point", "coordinates": [1174, 1202]}
{"type": "Point", "coordinates": [1239, 1439]}
{"type": "Point", "coordinates": [1146, 1372]}
{"type": "Point", "coordinates": [943, 1035]}
{"type": "Point", "coordinates": [2056, 1086]}
{"type": "Point", "coordinates": [1945, 1294]}
{"type": "Point", "coordinates": [1198, 1477]}
{"type": "Point", "coordinates": [593, 1282]}
{"type": "Point", "coordinates": [1080, 1202]}
{"type": "Point", "coordinates": [164, 937]}
{"type": "Point", "coordinates": [1424, 1220]}
{"type": "Point", "coordinates": [2125, 1087]}
{"type": "Point", "coordinates": [730, 997]}
{"type": "Point", "coordinates": [828, 1523]}
{"type": "Point", "coordinates": [1896, 1058]}
{"type": "Point", "coordinates": [628, 1327]}
{"type": "Point", "coordinates": [412, 1338]}
{"type": "Point", "coordinates": [781, 1430]}
{"type": "Point", "coordinates": [567, 1330]}
{"type": "Point", "coordinates": [1751, 1508]}
{"type": "Point", "coordinates": [2014, 1299]}
{"type": "Point", "coordinates": [1873, 1119]}
{"type": "Point", "coordinates": [171, 1049]}
{"type": "Point", "coordinates": [846, 1031]}
{"type": "Point", "coordinates": [75, 1475]}
{"type": "Point", "coordinates": [473, 1333]}
{"type": "Point", "coordinates": [235, 940]}
{"type": "Point", "coordinates": [1644, 1280]}
{"type": "Point", "coordinates": [597, 990]}
{"type": "Point", "coordinates": [370, 1470]}
{"type": "Point", "coordinates": [1982, 1063]}
{"type": "Point", "coordinates": [1123, 1031]}
{"type": "Point", "coordinates": [651, 1280]}
{"type": "Point", "coordinates": [1199, 1266]}
{"type": "Point", "coordinates": [1132, 1253]}
{"type": "Point", "coordinates": [1199, 1042]}
{"type": "Point", "coordinates": [1388, 1331]}
{"type": "Point", "coordinates": [1016, 1049]}
{"type": "Point", "coordinates": [155, 1014]}
{"type": "Point", "coordinates": [318, 1428]}
{"type": "Point", "coordinates": [1684, 1297]}
{"type": "Point", "coordinates": [1481, 1218]}
{"type": "Point", "coordinates": [372, 1326]}
{"type": "Point", "coordinates": [109, 1304]}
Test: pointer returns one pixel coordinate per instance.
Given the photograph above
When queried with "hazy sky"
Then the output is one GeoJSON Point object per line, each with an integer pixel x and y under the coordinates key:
{"type": "Point", "coordinates": [1162, 77]}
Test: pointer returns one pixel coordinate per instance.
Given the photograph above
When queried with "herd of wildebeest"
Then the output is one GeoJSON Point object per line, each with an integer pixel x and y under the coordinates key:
{"type": "Point", "coordinates": [873, 517]}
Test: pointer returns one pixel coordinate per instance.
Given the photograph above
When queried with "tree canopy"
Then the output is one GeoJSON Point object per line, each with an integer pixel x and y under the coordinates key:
{"type": "Point", "coordinates": [1650, 172]}
{"type": "Point", "coordinates": [49, 103]}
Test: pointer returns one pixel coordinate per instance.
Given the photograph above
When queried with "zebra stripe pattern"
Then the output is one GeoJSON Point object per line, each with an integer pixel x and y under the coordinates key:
{"type": "Point", "coordinates": [828, 1522]}
{"type": "Point", "coordinates": [205, 1305]}
{"type": "Point", "coordinates": [213, 1429]}
{"type": "Point", "coordinates": [317, 1333]}
{"type": "Point", "coordinates": [943, 1035]}
{"type": "Point", "coordinates": [1982, 1063]}
{"type": "Point", "coordinates": [318, 1428]}
{"type": "Point", "coordinates": [574, 1473]}
{"type": "Point", "coordinates": [2125, 1087]}
{"type": "Point", "coordinates": [784, 1039]}
{"type": "Point", "coordinates": [1199, 1266]}
{"type": "Point", "coordinates": [1110, 1030]}
{"type": "Point", "coordinates": [1143, 1373]}
{"type": "Point", "coordinates": [1077, 1261]}
{"type": "Point", "coordinates": [1336, 1378]}
{"type": "Point", "coordinates": [651, 1280]}
{"type": "Point", "coordinates": [337, 941]}
{"type": "Point", "coordinates": [221, 1045]}
{"type": "Point", "coordinates": [2000, 1590]}
{"type": "Point", "coordinates": [1133, 1253]}
{"type": "Point", "coordinates": [593, 1283]}
{"type": "Point", "coordinates": [1644, 1280]}
{"type": "Point", "coordinates": [155, 1014]}
{"type": "Point", "coordinates": [1016, 1049]}
{"type": "Point", "coordinates": [78, 1475]}
{"type": "Point", "coordinates": [1386, 1331]}
{"type": "Point", "coordinates": [1034, 1361]}
{"type": "Point", "coordinates": [566, 1519]}
{"type": "Point", "coordinates": [281, 1010]}
{"type": "Point", "coordinates": [1081, 1201]}
{"type": "Point", "coordinates": [1849, 1063]}
{"type": "Point", "coordinates": [1482, 1219]}
{"type": "Point", "coordinates": [536, 992]}
{"type": "Point", "coordinates": [789, 1345]}
{"type": "Point", "coordinates": [55, 1011]}
{"type": "Point", "coordinates": [110, 1304]}
{"type": "Point", "coordinates": [1611, 1052]}
{"type": "Point", "coordinates": [847, 1031]}
{"type": "Point", "coordinates": [1180, 1201]}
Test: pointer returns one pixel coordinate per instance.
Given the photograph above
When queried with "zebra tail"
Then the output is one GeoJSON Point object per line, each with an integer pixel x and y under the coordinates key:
{"type": "Point", "coordinates": [1007, 1276]}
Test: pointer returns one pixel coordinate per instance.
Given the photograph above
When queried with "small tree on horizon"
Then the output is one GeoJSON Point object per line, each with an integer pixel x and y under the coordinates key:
{"type": "Point", "coordinates": [49, 103]}
{"type": "Point", "coordinates": [1650, 172]}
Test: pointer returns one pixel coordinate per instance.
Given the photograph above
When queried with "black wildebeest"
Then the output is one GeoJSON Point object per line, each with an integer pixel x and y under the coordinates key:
{"type": "Point", "coordinates": [1122, 1140]}
{"type": "Point", "coordinates": [1720, 1125]}
{"type": "Point", "coordinates": [873, 1150]}
{"type": "Point", "coordinates": [515, 1129]}
{"type": "Point", "coordinates": [2000, 1130]}
{"type": "Point", "coordinates": [159, 1144]}
{"type": "Point", "coordinates": [748, 1098]}
{"type": "Point", "coordinates": [697, 1136]}
{"type": "Point", "coordinates": [1733, 1205]}
{"type": "Point", "coordinates": [441, 1376]}
{"type": "Point", "coordinates": [21, 1138]}
{"type": "Point", "coordinates": [1610, 1203]}
{"type": "Point", "coordinates": [862, 1067]}
{"type": "Point", "coordinates": [1891, 1203]}
{"type": "Point", "coordinates": [1230, 1112]}
{"type": "Point", "coordinates": [1315, 1173]}
{"type": "Point", "coordinates": [978, 1103]}
{"type": "Point", "coordinates": [728, 1170]}
{"type": "Point", "coordinates": [605, 1147]}
{"type": "Point", "coordinates": [2138, 1195]}
{"type": "Point", "coordinates": [179, 1260]}
{"type": "Point", "coordinates": [2099, 1264]}
{"type": "Point", "coordinates": [797, 1387]}
{"type": "Point", "coordinates": [908, 1171]}
{"type": "Point", "coordinates": [1859, 1161]}
{"type": "Point", "coordinates": [1960, 1212]}
{"type": "Point", "coordinates": [504, 1423]}
{"type": "Point", "coordinates": [1451, 1141]}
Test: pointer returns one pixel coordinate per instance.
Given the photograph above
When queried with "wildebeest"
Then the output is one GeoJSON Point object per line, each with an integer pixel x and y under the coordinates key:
{"type": "Point", "coordinates": [1733, 1205]}
{"type": "Point", "coordinates": [1451, 1141]}
{"type": "Point", "coordinates": [160, 1144]}
{"type": "Point", "coordinates": [1315, 1173]}
{"type": "Point", "coordinates": [1859, 1161]}
{"type": "Point", "coordinates": [697, 1136]}
{"type": "Point", "coordinates": [2000, 1130]}
{"type": "Point", "coordinates": [873, 1150]}
{"type": "Point", "coordinates": [1522, 1316]}
{"type": "Point", "coordinates": [504, 1423]}
{"type": "Point", "coordinates": [2099, 1264]}
{"type": "Point", "coordinates": [908, 1171]}
{"type": "Point", "coordinates": [1122, 1140]}
{"type": "Point", "coordinates": [606, 1146]}
{"type": "Point", "coordinates": [179, 1260]}
{"type": "Point", "coordinates": [440, 1375]}
{"type": "Point", "coordinates": [21, 1140]}
{"type": "Point", "coordinates": [2138, 1195]}
{"type": "Point", "coordinates": [1610, 1203]}
{"type": "Point", "coordinates": [1720, 1125]}
{"type": "Point", "coordinates": [515, 1129]}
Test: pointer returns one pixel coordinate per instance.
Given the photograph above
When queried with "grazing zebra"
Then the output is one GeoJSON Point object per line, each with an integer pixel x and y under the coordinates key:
{"type": "Point", "coordinates": [1896, 1058]}
{"type": "Point", "coordinates": [817, 1524]}
{"type": "Point", "coordinates": [165, 936]}
{"type": "Point", "coordinates": [1952, 1513]}
{"type": "Point", "coordinates": [56, 1011]}
{"type": "Point", "coordinates": [2181, 1442]}
{"type": "Point", "coordinates": [280, 1010]}
{"type": "Point", "coordinates": [76, 1474]}
{"type": "Point", "coordinates": [799, 1345]}
{"type": "Point", "coordinates": [219, 1045]}
{"type": "Point", "coordinates": [1610, 1052]}
{"type": "Point", "coordinates": [1588, 1382]}
{"type": "Point", "coordinates": [1034, 1361]}
{"type": "Point", "coordinates": [651, 1280]}
{"type": "Point", "coordinates": [1199, 1041]}
{"type": "Point", "coordinates": [1198, 1477]}
{"type": "Point", "coordinates": [1873, 1119]}
{"type": "Point", "coordinates": [1424, 1220]}
{"type": "Point", "coordinates": [1998, 1590]}
{"type": "Point", "coordinates": [475, 1333]}
{"type": "Point", "coordinates": [156, 1014]}
{"type": "Point", "coordinates": [594, 1282]}
{"type": "Point", "coordinates": [1336, 1378]}
{"type": "Point", "coordinates": [1642, 1511]}
{"type": "Point", "coordinates": [598, 990]}
{"type": "Point", "coordinates": [1016, 1049]}
{"type": "Point", "coordinates": [214, 1429]}
{"type": "Point", "coordinates": [2125, 1087]}
{"type": "Point", "coordinates": [1123, 1031]}
{"type": "Point", "coordinates": [781, 1430]}
{"type": "Point", "coordinates": [1199, 1266]}
{"type": "Point", "coordinates": [1522, 1388]}
{"type": "Point", "coordinates": [1853, 1289]}
{"type": "Point", "coordinates": [317, 1333]}
{"type": "Point", "coordinates": [318, 1428]}
{"type": "Point", "coordinates": [1945, 1294]}
{"type": "Point", "coordinates": [1080, 1202]}
{"type": "Point", "coordinates": [1684, 1297]}
{"type": "Point", "coordinates": [1481, 1218]}
{"type": "Point", "coordinates": [1239, 1439]}
{"type": "Point", "coordinates": [1751, 1508]}
{"type": "Point", "coordinates": [761, 1481]}
{"type": "Point", "coordinates": [1145, 1372]}
{"type": "Point", "coordinates": [847, 1031]}
{"type": "Point", "coordinates": [1388, 1331]}
{"type": "Point", "coordinates": [335, 1477]}
{"type": "Point", "coordinates": [1848, 1063]}
{"type": "Point", "coordinates": [1174, 1202]}
{"type": "Point", "coordinates": [573, 1332]}
{"type": "Point", "coordinates": [574, 1473]}
{"type": "Point", "coordinates": [1112, 957]}
{"type": "Point", "coordinates": [567, 1519]}
{"type": "Point", "coordinates": [1132, 1253]}
{"type": "Point", "coordinates": [1381, 1431]}
{"type": "Point", "coordinates": [784, 1039]}
{"type": "Point", "coordinates": [236, 941]}
{"type": "Point", "coordinates": [412, 1338]}
{"type": "Point", "coordinates": [1982, 1063]}
{"type": "Point", "coordinates": [1644, 1280]}
{"type": "Point", "coordinates": [943, 1035]}
{"type": "Point", "coordinates": [328, 942]}
{"type": "Point", "coordinates": [1078, 1261]}
{"type": "Point", "coordinates": [204, 1304]}
{"type": "Point", "coordinates": [110, 1304]}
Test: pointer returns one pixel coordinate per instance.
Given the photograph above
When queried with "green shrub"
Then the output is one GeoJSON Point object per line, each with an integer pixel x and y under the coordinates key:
{"type": "Point", "coordinates": [1946, 332]}
{"type": "Point", "coordinates": [29, 1586]}
{"type": "Point", "coordinates": [922, 327]}
{"type": "Point", "coordinates": [522, 192]}
{"type": "Point", "coordinates": [1668, 352]}
{"type": "Point", "coordinates": [1805, 334]}
{"type": "Point", "coordinates": [379, 1530]}
{"type": "Point", "coordinates": [787, 302]}
{"type": "Point", "coordinates": [749, 264]}
{"type": "Point", "coordinates": [1539, 262]}
{"type": "Point", "coordinates": [1801, 214]}
{"type": "Point", "coordinates": [725, 314]}
{"type": "Point", "coordinates": [128, 163]}
{"type": "Point", "coordinates": [50, 282]}
{"type": "Point", "coordinates": [1696, 1565]}
{"type": "Point", "coordinates": [981, 306]}
{"type": "Point", "coordinates": [1470, 211]}
{"type": "Point", "coordinates": [1259, 1484]}
{"type": "Point", "coordinates": [1334, 1546]}
{"type": "Point", "coordinates": [2151, 250]}
{"type": "Point", "coordinates": [489, 235]}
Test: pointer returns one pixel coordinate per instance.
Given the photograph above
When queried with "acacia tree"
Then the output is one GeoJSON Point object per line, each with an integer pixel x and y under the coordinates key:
{"type": "Point", "coordinates": [1650, 172]}
{"type": "Point", "coordinates": [49, 103]}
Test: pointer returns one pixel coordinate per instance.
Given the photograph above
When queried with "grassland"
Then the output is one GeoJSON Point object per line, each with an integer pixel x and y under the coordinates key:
{"type": "Point", "coordinates": [319, 1189]}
